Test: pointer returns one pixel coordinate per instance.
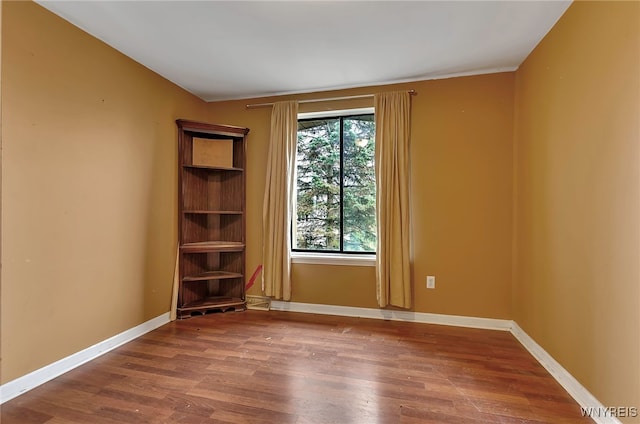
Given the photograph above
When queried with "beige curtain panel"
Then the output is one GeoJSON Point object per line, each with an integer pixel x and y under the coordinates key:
{"type": "Point", "coordinates": [393, 279]}
{"type": "Point", "coordinates": [278, 201]}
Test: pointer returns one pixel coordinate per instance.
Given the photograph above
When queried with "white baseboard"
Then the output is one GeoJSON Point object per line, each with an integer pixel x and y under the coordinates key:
{"type": "Point", "coordinates": [582, 396]}
{"type": "Point", "coordinates": [389, 315]}
{"type": "Point", "coordinates": [32, 380]}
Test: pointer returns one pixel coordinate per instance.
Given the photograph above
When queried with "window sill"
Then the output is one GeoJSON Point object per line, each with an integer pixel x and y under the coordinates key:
{"type": "Point", "coordinates": [332, 259]}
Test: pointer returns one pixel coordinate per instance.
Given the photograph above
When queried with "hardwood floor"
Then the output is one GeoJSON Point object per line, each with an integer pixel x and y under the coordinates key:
{"type": "Point", "coordinates": [285, 367]}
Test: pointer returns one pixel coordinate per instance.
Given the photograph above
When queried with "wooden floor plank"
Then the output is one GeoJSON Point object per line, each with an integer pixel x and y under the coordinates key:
{"type": "Point", "coordinates": [285, 367]}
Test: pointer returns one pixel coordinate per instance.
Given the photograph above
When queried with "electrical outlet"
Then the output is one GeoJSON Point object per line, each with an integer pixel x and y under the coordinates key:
{"type": "Point", "coordinates": [431, 282]}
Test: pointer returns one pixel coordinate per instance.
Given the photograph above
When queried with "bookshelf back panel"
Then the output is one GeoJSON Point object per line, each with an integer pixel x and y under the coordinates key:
{"type": "Point", "coordinates": [198, 263]}
{"type": "Point", "coordinates": [212, 227]}
{"type": "Point", "coordinates": [210, 190]}
{"type": "Point", "coordinates": [238, 153]}
{"type": "Point", "coordinates": [224, 187]}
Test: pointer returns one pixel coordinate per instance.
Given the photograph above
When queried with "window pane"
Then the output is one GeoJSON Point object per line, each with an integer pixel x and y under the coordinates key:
{"type": "Point", "coordinates": [318, 185]}
{"type": "Point", "coordinates": [359, 209]}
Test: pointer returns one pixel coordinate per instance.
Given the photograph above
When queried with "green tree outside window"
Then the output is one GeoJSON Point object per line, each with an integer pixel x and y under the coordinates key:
{"type": "Point", "coordinates": [336, 197]}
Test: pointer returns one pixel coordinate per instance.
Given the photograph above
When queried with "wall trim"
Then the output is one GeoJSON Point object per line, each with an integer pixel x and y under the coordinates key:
{"type": "Point", "coordinates": [579, 393]}
{"type": "Point", "coordinates": [393, 315]}
{"type": "Point", "coordinates": [40, 376]}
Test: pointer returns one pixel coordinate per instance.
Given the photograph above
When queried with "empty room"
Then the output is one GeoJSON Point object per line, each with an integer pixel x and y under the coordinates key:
{"type": "Point", "coordinates": [320, 212]}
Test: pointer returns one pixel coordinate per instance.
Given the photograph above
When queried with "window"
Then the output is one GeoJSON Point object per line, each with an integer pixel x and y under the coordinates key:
{"type": "Point", "coordinates": [335, 184]}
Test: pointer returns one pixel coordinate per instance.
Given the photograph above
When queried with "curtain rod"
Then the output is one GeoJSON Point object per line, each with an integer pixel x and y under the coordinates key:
{"type": "Point", "coordinates": [329, 99]}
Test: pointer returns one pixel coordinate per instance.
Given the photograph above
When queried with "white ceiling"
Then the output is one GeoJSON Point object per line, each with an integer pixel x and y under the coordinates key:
{"type": "Point", "coordinates": [221, 50]}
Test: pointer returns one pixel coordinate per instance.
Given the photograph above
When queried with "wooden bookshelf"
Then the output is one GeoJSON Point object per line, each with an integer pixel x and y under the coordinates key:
{"type": "Point", "coordinates": [211, 202]}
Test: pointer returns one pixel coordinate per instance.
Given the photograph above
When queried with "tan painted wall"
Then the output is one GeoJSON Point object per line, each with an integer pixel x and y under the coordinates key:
{"type": "Point", "coordinates": [88, 189]}
{"type": "Point", "coordinates": [577, 274]}
{"type": "Point", "coordinates": [461, 192]}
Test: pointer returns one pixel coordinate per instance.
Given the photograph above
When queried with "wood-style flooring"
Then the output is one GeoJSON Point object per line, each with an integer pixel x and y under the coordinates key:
{"type": "Point", "coordinates": [285, 367]}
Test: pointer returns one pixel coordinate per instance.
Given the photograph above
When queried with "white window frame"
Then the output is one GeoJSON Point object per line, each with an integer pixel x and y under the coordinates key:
{"type": "Point", "coordinates": [320, 258]}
